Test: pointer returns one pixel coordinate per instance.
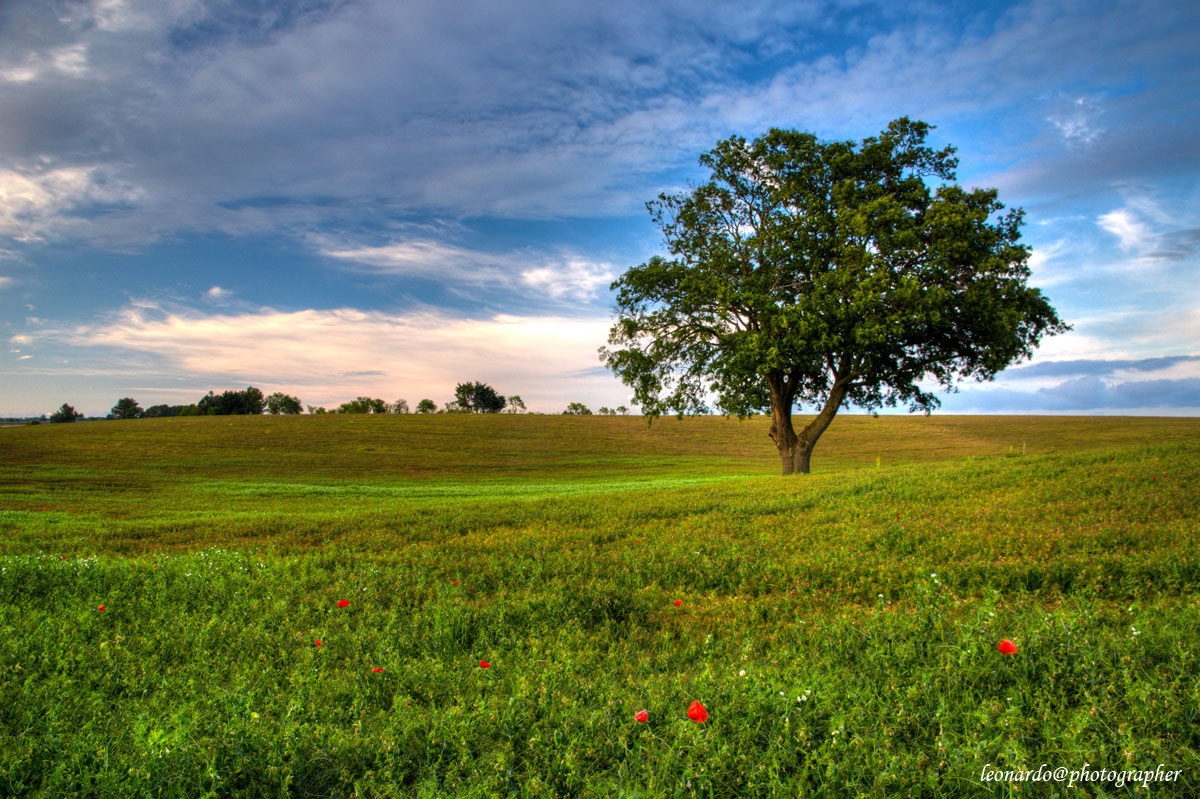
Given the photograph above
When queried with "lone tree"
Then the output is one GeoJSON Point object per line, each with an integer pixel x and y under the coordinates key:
{"type": "Point", "coordinates": [279, 403]}
{"type": "Point", "coordinates": [478, 398]}
{"type": "Point", "coordinates": [821, 273]}
{"type": "Point", "coordinates": [126, 408]}
{"type": "Point", "coordinates": [66, 413]}
{"type": "Point", "coordinates": [426, 406]}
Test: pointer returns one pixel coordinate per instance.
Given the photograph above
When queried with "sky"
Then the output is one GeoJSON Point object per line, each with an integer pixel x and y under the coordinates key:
{"type": "Point", "coordinates": [335, 198]}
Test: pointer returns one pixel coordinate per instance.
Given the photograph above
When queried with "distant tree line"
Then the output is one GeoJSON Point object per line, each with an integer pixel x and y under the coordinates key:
{"type": "Point", "coordinates": [469, 397]}
{"type": "Point", "coordinates": [579, 409]}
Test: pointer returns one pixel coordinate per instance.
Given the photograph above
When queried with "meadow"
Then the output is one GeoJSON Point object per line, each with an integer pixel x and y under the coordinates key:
{"type": "Point", "coordinates": [164, 585]}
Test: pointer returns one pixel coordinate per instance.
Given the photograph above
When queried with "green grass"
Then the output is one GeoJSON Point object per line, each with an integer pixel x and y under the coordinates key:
{"type": "Point", "coordinates": [863, 604]}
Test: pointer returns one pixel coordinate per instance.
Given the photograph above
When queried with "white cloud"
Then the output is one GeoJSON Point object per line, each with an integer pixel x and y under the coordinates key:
{"type": "Point", "coordinates": [329, 356]}
{"type": "Point", "coordinates": [1044, 266]}
{"type": "Point", "coordinates": [538, 110]}
{"type": "Point", "coordinates": [18, 74]}
{"type": "Point", "coordinates": [5, 281]}
{"type": "Point", "coordinates": [557, 276]}
{"type": "Point", "coordinates": [1169, 329]}
{"type": "Point", "coordinates": [118, 15]}
{"type": "Point", "coordinates": [40, 202]}
{"type": "Point", "coordinates": [1123, 223]}
{"type": "Point", "coordinates": [575, 278]}
{"type": "Point", "coordinates": [426, 259]}
{"type": "Point", "coordinates": [217, 293]}
{"type": "Point", "coordinates": [69, 60]}
{"type": "Point", "coordinates": [1076, 121]}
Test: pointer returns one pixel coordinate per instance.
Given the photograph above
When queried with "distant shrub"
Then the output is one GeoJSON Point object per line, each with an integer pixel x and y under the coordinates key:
{"type": "Point", "coordinates": [65, 414]}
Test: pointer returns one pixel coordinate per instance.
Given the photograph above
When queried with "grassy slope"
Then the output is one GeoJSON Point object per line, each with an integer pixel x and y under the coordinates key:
{"type": "Point", "coordinates": [229, 541]}
{"type": "Point", "coordinates": [125, 486]}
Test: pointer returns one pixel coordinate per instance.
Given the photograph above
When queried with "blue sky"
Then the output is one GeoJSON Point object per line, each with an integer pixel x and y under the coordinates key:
{"type": "Point", "coordinates": [350, 197]}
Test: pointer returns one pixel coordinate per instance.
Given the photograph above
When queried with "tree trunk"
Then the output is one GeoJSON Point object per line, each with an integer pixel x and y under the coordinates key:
{"type": "Point", "coordinates": [795, 451]}
{"type": "Point", "coordinates": [795, 459]}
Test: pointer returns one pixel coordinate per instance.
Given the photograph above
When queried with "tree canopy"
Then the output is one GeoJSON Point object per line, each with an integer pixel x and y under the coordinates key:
{"type": "Point", "coordinates": [158, 411]}
{"type": "Point", "coordinates": [806, 272]}
{"type": "Point", "coordinates": [232, 403]}
{"type": "Point", "coordinates": [279, 403]}
{"type": "Point", "coordinates": [478, 398]}
{"type": "Point", "coordinates": [364, 405]}
{"type": "Point", "coordinates": [126, 408]}
{"type": "Point", "coordinates": [66, 413]}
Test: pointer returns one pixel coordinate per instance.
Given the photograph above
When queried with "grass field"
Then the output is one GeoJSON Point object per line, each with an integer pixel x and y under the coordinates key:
{"type": "Point", "coordinates": [840, 628]}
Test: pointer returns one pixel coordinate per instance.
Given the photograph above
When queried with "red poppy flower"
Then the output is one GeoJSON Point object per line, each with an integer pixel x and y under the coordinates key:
{"type": "Point", "coordinates": [1007, 647]}
{"type": "Point", "coordinates": [64, 557]}
{"type": "Point", "coordinates": [697, 713]}
{"type": "Point", "coordinates": [454, 583]}
{"type": "Point", "coordinates": [678, 602]}
{"type": "Point", "coordinates": [483, 664]}
{"type": "Point", "coordinates": [343, 603]}
{"type": "Point", "coordinates": [377, 668]}
{"type": "Point", "coordinates": [318, 642]}
{"type": "Point", "coordinates": [100, 608]}
{"type": "Point", "coordinates": [641, 715]}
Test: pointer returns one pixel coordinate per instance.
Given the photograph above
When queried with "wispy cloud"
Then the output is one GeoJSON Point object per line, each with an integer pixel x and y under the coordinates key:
{"type": "Point", "coordinates": [556, 276]}
{"type": "Point", "coordinates": [1044, 264]}
{"type": "Point", "coordinates": [42, 202]}
{"type": "Point", "coordinates": [1076, 121]}
{"type": "Point", "coordinates": [1132, 232]}
{"type": "Point", "coordinates": [70, 60]}
{"type": "Point", "coordinates": [1084, 394]}
{"type": "Point", "coordinates": [575, 277]}
{"type": "Point", "coordinates": [137, 126]}
{"type": "Point", "coordinates": [332, 354]}
{"type": "Point", "coordinates": [539, 111]}
{"type": "Point", "coordinates": [1152, 237]}
{"type": "Point", "coordinates": [426, 259]}
{"type": "Point", "coordinates": [1100, 368]}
